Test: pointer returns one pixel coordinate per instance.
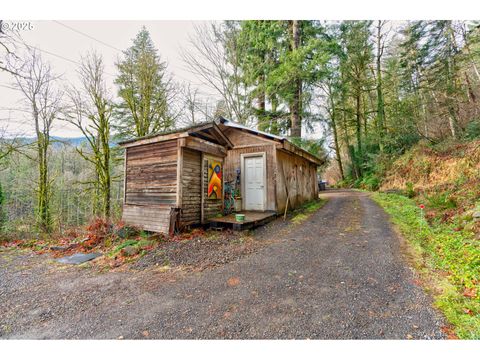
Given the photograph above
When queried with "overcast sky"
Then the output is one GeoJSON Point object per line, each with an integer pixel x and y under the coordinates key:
{"type": "Point", "coordinates": [63, 42]}
{"type": "Point", "coordinates": [52, 37]}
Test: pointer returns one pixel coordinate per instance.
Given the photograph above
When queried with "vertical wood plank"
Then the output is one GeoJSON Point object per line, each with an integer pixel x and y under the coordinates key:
{"type": "Point", "coordinates": [179, 174]}
{"type": "Point", "coordinates": [274, 169]}
{"type": "Point", "coordinates": [202, 198]}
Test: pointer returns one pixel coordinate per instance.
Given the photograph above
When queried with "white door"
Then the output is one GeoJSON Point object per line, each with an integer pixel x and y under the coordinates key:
{"type": "Point", "coordinates": [254, 168]}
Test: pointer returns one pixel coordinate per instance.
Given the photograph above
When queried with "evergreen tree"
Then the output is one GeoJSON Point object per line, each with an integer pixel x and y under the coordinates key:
{"type": "Point", "coordinates": [146, 93]}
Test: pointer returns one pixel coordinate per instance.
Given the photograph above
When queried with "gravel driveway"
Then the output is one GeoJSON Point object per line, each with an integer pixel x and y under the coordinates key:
{"type": "Point", "coordinates": [339, 275]}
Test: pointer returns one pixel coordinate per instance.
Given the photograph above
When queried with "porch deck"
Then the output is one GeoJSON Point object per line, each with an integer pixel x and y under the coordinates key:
{"type": "Point", "coordinates": [252, 219]}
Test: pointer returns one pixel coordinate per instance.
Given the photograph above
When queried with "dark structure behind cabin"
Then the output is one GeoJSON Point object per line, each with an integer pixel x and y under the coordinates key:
{"type": "Point", "coordinates": [167, 175]}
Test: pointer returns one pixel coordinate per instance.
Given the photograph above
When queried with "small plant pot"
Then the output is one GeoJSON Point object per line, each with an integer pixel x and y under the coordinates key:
{"type": "Point", "coordinates": [239, 217]}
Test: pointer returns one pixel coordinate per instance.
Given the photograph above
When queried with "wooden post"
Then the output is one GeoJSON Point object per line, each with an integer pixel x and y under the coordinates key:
{"type": "Point", "coordinates": [175, 213]}
{"type": "Point", "coordinates": [275, 174]}
{"type": "Point", "coordinates": [286, 191]}
{"type": "Point", "coordinates": [202, 196]}
{"type": "Point", "coordinates": [179, 173]}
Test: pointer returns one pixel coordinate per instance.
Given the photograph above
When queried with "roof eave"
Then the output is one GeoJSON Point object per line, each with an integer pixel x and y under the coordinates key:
{"type": "Point", "coordinates": [301, 152]}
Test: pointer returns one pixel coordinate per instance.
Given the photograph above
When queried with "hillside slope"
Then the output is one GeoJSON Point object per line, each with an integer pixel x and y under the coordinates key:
{"type": "Point", "coordinates": [433, 195]}
{"type": "Point", "coordinates": [446, 177]}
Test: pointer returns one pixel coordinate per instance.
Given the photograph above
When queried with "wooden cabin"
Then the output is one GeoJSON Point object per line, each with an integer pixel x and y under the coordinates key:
{"type": "Point", "coordinates": [176, 180]}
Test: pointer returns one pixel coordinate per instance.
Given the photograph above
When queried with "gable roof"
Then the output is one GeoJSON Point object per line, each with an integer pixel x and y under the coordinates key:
{"type": "Point", "coordinates": [232, 124]}
{"type": "Point", "coordinates": [287, 144]}
{"type": "Point", "coordinates": [206, 130]}
{"type": "Point", "coordinates": [210, 130]}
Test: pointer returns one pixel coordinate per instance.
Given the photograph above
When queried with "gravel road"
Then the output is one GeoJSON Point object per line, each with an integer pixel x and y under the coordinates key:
{"type": "Point", "coordinates": [339, 275]}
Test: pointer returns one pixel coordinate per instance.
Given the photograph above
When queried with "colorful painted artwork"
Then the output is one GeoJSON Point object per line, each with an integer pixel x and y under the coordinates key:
{"type": "Point", "coordinates": [214, 179]}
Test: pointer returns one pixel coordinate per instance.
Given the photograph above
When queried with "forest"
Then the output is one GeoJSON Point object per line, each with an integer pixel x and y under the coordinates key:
{"type": "Point", "coordinates": [358, 93]}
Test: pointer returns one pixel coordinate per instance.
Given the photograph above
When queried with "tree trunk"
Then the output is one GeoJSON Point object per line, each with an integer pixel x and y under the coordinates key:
{"type": "Point", "coordinates": [358, 125]}
{"type": "Point", "coordinates": [358, 122]}
{"type": "Point", "coordinates": [364, 115]}
{"type": "Point", "coordinates": [296, 103]}
{"type": "Point", "coordinates": [452, 122]}
{"type": "Point", "coordinates": [451, 82]}
{"type": "Point", "coordinates": [470, 93]}
{"type": "Point", "coordinates": [261, 99]}
{"type": "Point", "coordinates": [106, 170]}
{"type": "Point", "coordinates": [337, 146]}
{"type": "Point", "coordinates": [380, 101]}
{"type": "Point", "coordinates": [336, 140]}
{"type": "Point", "coordinates": [43, 201]}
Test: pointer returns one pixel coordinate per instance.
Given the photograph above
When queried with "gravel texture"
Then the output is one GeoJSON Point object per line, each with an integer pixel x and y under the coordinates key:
{"type": "Point", "coordinates": [205, 250]}
{"type": "Point", "coordinates": [338, 275]}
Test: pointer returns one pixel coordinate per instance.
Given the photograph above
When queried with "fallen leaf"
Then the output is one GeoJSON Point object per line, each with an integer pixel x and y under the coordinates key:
{"type": "Point", "coordinates": [467, 311]}
{"type": "Point", "coordinates": [120, 337]}
{"type": "Point", "coordinates": [470, 292]}
{"type": "Point", "coordinates": [450, 333]}
{"type": "Point", "coordinates": [145, 333]}
{"type": "Point", "coordinates": [233, 281]}
{"type": "Point", "coordinates": [409, 337]}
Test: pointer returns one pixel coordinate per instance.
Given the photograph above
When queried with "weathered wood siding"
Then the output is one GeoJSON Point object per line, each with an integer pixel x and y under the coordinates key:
{"type": "Point", "coordinates": [211, 207]}
{"type": "Point", "coordinates": [191, 180]}
{"type": "Point", "coordinates": [299, 176]}
{"type": "Point", "coordinates": [174, 173]}
{"type": "Point", "coordinates": [151, 185]}
{"type": "Point", "coordinates": [232, 163]}
{"type": "Point", "coordinates": [241, 138]}
{"type": "Point", "coordinates": [152, 174]}
{"type": "Point", "coordinates": [245, 143]}
{"type": "Point", "coordinates": [151, 217]}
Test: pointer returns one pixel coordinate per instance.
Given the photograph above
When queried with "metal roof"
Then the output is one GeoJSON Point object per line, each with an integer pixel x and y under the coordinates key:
{"type": "Point", "coordinates": [167, 132]}
{"type": "Point", "coordinates": [228, 123]}
{"type": "Point", "coordinates": [282, 139]}
{"type": "Point", "coordinates": [240, 126]}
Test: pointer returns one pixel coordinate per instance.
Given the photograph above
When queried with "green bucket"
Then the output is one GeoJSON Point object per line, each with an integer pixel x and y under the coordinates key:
{"type": "Point", "coordinates": [240, 217]}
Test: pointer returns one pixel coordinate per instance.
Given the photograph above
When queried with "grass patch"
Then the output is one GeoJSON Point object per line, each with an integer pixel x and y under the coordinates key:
{"type": "Point", "coordinates": [447, 258]}
{"type": "Point", "coordinates": [140, 244]}
{"type": "Point", "coordinates": [303, 212]}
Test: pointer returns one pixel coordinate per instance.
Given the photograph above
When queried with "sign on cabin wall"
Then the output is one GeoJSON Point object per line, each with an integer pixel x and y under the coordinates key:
{"type": "Point", "coordinates": [214, 179]}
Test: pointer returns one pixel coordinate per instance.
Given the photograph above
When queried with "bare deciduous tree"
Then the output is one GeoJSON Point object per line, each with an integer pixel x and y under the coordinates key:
{"type": "Point", "coordinates": [380, 40]}
{"type": "Point", "coordinates": [213, 59]}
{"type": "Point", "coordinates": [36, 81]}
{"type": "Point", "coordinates": [191, 103]}
{"type": "Point", "coordinates": [90, 112]}
{"type": "Point", "coordinates": [7, 44]}
{"type": "Point", "coordinates": [196, 107]}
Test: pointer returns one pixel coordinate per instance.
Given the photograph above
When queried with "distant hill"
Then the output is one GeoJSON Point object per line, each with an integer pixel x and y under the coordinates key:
{"type": "Point", "coordinates": [76, 141]}
{"type": "Point", "coordinates": [59, 141]}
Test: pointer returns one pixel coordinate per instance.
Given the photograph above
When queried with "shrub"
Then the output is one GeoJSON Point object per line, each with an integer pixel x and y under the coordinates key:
{"type": "Point", "coordinates": [472, 131]}
{"type": "Point", "coordinates": [123, 245]}
{"type": "Point", "coordinates": [409, 191]}
{"type": "Point", "coordinates": [441, 201]}
{"type": "Point", "coordinates": [369, 182]}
